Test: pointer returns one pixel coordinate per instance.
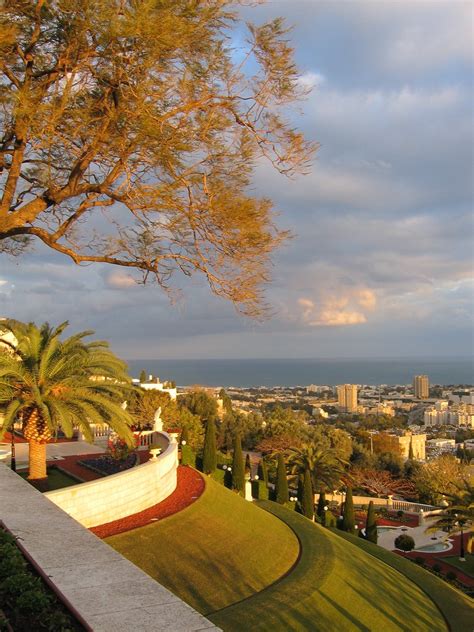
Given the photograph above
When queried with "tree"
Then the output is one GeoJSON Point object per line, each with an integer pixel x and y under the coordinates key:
{"type": "Point", "coordinates": [209, 457]}
{"type": "Point", "coordinates": [51, 384]}
{"type": "Point", "coordinates": [281, 488]}
{"type": "Point", "coordinates": [348, 520]}
{"type": "Point", "coordinates": [410, 451]}
{"type": "Point", "coordinates": [321, 504]}
{"type": "Point", "coordinates": [201, 404]}
{"type": "Point", "coordinates": [371, 524]}
{"type": "Point", "coordinates": [142, 377]}
{"type": "Point", "coordinates": [381, 483]}
{"type": "Point", "coordinates": [248, 467]}
{"type": "Point", "coordinates": [325, 467]}
{"type": "Point", "coordinates": [307, 502]}
{"type": "Point", "coordinates": [238, 476]}
{"type": "Point", "coordinates": [440, 477]}
{"type": "Point", "coordinates": [139, 110]}
{"type": "Point", "coordinates": [262, 471]}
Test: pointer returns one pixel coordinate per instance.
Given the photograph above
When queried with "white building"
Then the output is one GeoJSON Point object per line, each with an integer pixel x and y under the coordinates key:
{"type": "Point", "coordinates": [154, 384]}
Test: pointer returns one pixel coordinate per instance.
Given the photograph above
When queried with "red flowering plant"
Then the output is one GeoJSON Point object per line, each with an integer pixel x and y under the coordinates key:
{"type": "Point", "coordinates": [118, 450]}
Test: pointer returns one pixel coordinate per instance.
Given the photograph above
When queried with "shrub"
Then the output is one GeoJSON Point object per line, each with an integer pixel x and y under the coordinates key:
{"type": "Point", "coordinates": [188, 457]}
{"type": "Point", "coordinates": [420, 560]}
{"type": "Point", "coordinates": [451, 575]}
{"type": "Point", "coordinates": [437, 568]}
{"type": "Point", "coordinates": [329, 519]}
{"type": "Point", "coordinates": [405, 542]}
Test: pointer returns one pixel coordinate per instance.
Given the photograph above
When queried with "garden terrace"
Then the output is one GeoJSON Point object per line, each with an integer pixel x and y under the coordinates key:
{"type": "Point", "coordinates": [106, 590]}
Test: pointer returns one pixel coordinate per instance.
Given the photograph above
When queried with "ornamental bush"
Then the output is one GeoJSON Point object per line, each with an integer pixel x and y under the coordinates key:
{"type": "Point", "coordinates": [371, 525]}
{"type": "Point", "coordinates": [405, 542]}
{"type": "Point", "coordinates": [238, 471]}
{"type": "Point", "coordinates": [348, 519]}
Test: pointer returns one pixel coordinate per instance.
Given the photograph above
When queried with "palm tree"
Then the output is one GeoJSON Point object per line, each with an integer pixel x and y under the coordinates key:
{"type": "Point", "coordinates": [458, 512]}
{"type": "Point", "coordinates": [51, 384]}
{"type": "Point", "coordinates": [325, 467]}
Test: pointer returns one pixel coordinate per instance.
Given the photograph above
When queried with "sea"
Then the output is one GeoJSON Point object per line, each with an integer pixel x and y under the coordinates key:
{"type": "Point", "coordinates": [294, 372]}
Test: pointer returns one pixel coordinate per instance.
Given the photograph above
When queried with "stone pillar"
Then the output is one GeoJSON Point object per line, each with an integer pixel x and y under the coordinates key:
{"type": "Point", "coordinates": [421, 518]}
{"type": "Point", "coordinates": [390, 501]}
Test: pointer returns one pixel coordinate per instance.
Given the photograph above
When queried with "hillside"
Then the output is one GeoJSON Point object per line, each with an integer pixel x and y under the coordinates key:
{"type": "Point", "coordinates": [230, 560]}
{"type": "Point", "coordinates": [217, 551]}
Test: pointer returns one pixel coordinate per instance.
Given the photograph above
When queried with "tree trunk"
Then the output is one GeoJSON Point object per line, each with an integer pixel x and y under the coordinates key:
{"type": "Point", "coordinates": [37, 460]}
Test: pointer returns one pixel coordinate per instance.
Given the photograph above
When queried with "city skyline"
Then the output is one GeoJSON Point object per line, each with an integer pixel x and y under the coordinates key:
{"type": "Point", "coordinates": [381, 263]}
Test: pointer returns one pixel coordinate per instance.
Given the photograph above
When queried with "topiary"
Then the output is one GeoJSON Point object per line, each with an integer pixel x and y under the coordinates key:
{"type": "Point", "coordinates": [437, 568]}
{"type": "Point", "coordinates": [420, 560]}
{"type": "Point", "coordinates": [451, 575]}
{"type": "Point", "coordinates": [405, 542]}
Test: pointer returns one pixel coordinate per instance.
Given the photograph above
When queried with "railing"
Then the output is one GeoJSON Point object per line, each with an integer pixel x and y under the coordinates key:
{"type": "Point", "coordinates": [411, 507]}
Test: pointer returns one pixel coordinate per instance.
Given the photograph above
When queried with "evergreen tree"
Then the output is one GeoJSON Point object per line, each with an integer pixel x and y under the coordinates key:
{"type": "Point", "coordinates": [238, 477]}
{"type": "Point", "coordinates": [184, 435]}
{"type": "Point", "coordinates": [321, 504]}
{"type": "Point", "coordinates": [209, 457]}
{"type": "Point", "coordinates": [370, 525]}
{"type": "Point", "coordinates": [410, 451]}
{"type": "Point", "coordinates": [281, 490]}
{"type": "Point", "coordinates": [348, 521]}
{"type": "Point", "coordinates": [307, 502]}
{"type": "Point", "coordinates": [142, 376]}
{"type": "Point", "coordinates": [248, 469]}
{"type": "Point", "coordinates": [263, 471]}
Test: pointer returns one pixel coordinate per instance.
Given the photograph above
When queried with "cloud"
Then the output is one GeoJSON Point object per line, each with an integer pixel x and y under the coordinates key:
{"type": "Point", "coordinates": [337, 310]}
{"type": "Point", "coordinates": [309, 80]}
{"type": "Point", "coordinates": [119, 280]}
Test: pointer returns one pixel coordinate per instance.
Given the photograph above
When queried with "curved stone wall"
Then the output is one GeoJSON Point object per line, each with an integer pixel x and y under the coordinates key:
{"type": "Point", "coordinates": [123, 494]}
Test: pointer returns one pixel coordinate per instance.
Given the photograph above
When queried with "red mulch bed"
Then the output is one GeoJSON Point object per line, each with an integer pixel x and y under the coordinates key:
{"type": "Point", "coordinates": [190, 486]}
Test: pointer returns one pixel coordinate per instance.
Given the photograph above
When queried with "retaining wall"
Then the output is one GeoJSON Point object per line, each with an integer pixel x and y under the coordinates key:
{"type": "Point", "coordinates": [120, 495]}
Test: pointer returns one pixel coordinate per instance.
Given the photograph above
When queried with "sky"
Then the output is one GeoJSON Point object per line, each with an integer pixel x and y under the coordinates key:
{"type": "Point", "coordinates": [381, 264]}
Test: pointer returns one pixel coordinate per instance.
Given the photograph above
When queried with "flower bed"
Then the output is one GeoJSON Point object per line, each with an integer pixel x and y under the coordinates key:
{"type": "Point", "coordinates": [26, 602]}
{"type": "Point", "coordinates": [106, 465]}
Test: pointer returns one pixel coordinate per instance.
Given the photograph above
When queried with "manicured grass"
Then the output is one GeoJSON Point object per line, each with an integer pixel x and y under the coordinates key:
{"type": "Point", "coordinates": [335, 586]}
{"type": "Point", "coordinates": [56, 479]}
{"type": "Point", "coordinates": [466, 567]}
{"type": "Point", "coordinates": [455, 606]}
{"type": "Point", "coordinates": [217, 551]}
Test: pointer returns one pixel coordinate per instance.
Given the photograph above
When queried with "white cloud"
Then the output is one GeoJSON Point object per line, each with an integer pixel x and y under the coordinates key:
{"type": "Point", "coordinates": [119, 280]}
{"type": "Point", "coordinates": [337, 309]}
{"type": "Point", "coordinates": [309, 80]}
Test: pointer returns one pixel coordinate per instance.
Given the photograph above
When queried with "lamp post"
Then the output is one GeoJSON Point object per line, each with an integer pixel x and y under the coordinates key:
{"type": "Point", "coordinates": [325, 514]}
{"type": "Point", "coordinates": [13, 458]}
{"type": "Point", "coordinates": [461, 524]}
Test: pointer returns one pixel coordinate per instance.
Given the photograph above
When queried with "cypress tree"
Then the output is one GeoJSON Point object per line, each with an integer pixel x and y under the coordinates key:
{"type": "Point", "coordinates": [184, 435]}
{"type": "Point", "coordinates": [307, 502]}
{"type": "Point", "coordinates": [209, 457]}
{"type": "Point", "coordinates": [348, 521]}
{"type": "Point", "coordinates": [263, 471]}
{"type": "Point", "coordinates": [238, 476]}
{"type": "Point", "coordinates": [142, 376]}
{"type": "Point", "coordinates": [248, 469]}
{"type": "Point", "coordinates": [370, 525]}
{"type": "Point", "coordinates": [281, 490]}
{"type": "Point", "coordinates": [410, 451]}
{"type": "Point", "coordinates": [321, 504]}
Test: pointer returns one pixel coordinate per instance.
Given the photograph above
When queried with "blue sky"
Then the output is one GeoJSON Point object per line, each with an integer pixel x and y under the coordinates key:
{"type": "Point", "coordinates": [382, 261]}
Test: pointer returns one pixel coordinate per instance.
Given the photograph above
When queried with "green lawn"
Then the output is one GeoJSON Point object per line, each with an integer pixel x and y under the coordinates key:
{"type": "Point", "coordinates": [217, 551]}
{"type": "Point", "coordinates": [455, 605]}
{"type": "Point", "coordinates": [56, 478]}
{"type": "Point", "coordinates": [466, 567]}
{"type": "Point", "coordinates": [335, 586]}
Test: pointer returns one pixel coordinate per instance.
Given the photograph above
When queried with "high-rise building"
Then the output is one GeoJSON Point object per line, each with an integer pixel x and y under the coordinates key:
{"type": "Point", "coordinates": [347, 397]}
{"type": "Point", "coordinates": [421, 386]}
